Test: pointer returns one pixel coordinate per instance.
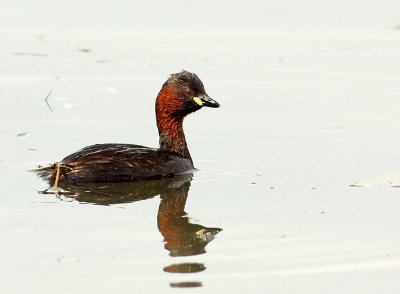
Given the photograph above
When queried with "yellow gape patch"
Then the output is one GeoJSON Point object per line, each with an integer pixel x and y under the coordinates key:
{"type": "Point", "coordinates": [200, 232]}
{"type": "Point", "coordinates": [198, 101]}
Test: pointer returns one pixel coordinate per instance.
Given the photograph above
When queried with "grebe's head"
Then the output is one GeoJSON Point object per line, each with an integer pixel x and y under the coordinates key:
{"type": "Point", "coordinates": [182, 94]}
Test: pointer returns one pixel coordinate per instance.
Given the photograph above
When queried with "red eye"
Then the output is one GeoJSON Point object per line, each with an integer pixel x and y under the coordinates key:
{"type": "Point", "coordinates": [188, 91]}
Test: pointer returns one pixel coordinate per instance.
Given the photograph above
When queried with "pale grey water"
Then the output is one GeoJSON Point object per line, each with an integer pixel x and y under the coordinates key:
{"type": "Point", "coordinates": [310, 105]}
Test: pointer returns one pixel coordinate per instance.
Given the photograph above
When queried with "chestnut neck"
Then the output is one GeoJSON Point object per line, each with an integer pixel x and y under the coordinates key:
{"type": "Point", "coordinates": [169, 115]}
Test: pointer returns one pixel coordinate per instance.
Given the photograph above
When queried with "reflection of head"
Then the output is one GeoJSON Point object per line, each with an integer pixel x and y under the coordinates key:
{"type": "Point", "coordinates": [182, 238]}
{"type": "Point", "coordinates": [189, 241]}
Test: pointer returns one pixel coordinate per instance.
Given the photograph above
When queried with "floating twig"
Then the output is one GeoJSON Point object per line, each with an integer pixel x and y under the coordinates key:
{"type": "Point", "coordinates": [22, 134]}
{"type": "Point", "coordinates": [47, 100]}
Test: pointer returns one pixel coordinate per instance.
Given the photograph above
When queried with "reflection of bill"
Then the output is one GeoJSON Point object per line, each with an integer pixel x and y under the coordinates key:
{"type": "Point", "coordinates": [181, 237]}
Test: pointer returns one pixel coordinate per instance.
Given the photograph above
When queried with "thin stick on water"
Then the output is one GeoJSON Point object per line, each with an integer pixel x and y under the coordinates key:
{"type": "Point", "coordinates": [57, 178]}
{"type": "Point", "coordinates": [47, 100]}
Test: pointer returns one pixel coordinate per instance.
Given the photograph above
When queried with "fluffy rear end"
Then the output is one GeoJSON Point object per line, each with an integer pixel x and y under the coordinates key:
{"type": "Point", "coordinates": [49, 173]}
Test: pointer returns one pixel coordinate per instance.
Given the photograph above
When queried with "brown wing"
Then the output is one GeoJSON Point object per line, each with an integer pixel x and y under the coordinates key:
{"type": "Point", "coordinates": [122, 162]}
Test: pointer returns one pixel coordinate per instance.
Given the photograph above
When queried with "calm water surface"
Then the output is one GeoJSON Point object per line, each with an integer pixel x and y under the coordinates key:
{"type": "Point", "coordinates": [309, 106]}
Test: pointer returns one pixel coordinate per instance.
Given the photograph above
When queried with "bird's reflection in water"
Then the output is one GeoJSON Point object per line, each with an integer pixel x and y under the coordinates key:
{"type": "Point", "coordinates": [181, 237]}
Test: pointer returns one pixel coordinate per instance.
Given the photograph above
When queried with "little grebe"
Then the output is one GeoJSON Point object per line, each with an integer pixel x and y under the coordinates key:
{"type": "Point", "coordinates": [180, 95]}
